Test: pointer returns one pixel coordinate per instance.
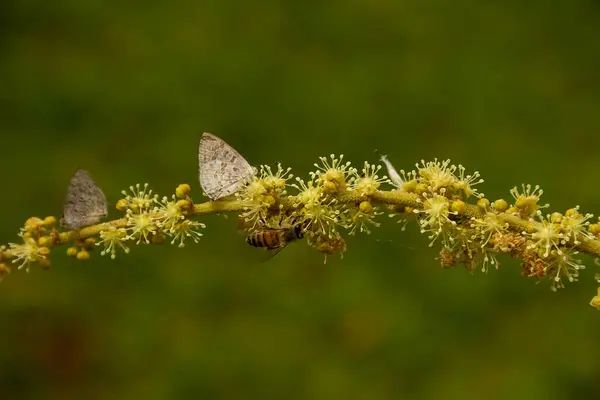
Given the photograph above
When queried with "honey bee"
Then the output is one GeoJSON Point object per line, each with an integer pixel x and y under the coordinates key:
{"type": "Point", "coordinates": [275, 239]}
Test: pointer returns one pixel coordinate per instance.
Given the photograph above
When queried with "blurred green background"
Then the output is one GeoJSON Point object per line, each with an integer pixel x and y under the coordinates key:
{"type": "Point", "coordinates": [125, 89]}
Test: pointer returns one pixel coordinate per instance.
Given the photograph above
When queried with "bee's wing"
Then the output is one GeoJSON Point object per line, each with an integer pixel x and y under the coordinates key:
{"type": "Point", "coordinates": [274, 252]}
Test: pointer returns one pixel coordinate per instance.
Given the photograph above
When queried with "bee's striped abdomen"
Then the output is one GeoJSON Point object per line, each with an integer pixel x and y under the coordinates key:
{"type": "Point", "coordinates": [272, 239]}
{"type": "Point", "coordinates": [269, 239]}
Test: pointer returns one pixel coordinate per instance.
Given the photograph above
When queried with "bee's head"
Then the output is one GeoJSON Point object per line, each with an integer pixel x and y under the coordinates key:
{"type": "Point", "coordinates": [298, 230]}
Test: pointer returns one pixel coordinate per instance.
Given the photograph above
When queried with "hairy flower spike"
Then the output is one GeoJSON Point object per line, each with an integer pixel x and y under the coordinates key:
{"type": "Point", "coordinates": [440, 196]}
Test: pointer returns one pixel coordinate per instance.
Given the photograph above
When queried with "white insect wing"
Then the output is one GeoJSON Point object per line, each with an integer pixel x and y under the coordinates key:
{"type": "Point", "coordinates": [392, 173]}
{"type": "Point", "coordinates": [222, 170]}
{"type": "Point", "coordinates": [85, 203]}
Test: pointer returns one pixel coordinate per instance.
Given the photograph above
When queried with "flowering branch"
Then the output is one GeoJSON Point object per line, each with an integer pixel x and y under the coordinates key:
{"type": "Point", "coordinates": [437, 195]}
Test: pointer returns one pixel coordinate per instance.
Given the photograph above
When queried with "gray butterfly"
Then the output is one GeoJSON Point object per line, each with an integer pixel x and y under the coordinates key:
{"type": "Point", "coordinates": [223, 171]}
{"type": "Point", "coordinates": [85, 203]}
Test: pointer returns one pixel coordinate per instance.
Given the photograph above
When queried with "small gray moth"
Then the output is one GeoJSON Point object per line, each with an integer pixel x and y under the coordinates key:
{"type": "Point", "coordinates": [222, 170]}
{"type": "Point", "coordinates": [85, 203]}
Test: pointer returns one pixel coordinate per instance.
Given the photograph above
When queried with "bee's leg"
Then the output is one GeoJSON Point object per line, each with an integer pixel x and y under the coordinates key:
{"type": "Point", "coordinates": [262, 220]}
{"type": "Point", "coordinates": [294, 220]}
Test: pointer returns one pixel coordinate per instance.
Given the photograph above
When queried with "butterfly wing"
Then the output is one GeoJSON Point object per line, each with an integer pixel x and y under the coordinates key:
{"type": "Point", "coordinates": [85, 203]}
{"type": "Point", "coordinates": [222, 170]}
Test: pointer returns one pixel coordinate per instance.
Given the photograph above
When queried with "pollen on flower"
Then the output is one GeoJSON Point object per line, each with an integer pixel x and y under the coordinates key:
{"type": "Point", "coordinates": [27, 253]}
{"type": "Point", "coordinates": [362, 218]}
{"type": "Point", "coordinates": [564, 266]}
{"type": "Point", "coordinates": [594, 229]}
{"type": "Point", "coordinates": [547, 236]}
{"type": "Point", "coordinates": [575, 226]}
{"type": "Point", "coordinates": [526, 200]}
{"type": "Point", "coordinates": [310, 195]}
{"type": "Point", "coordinates": [500, 205]}
{"type": "Point", "coordinates": [435, 214]}
{"type": "Point", "coordinates": [488, 260]}
{"type": "Point", "coordinates": [368, 182]}
{"type": "Point", "coordinates": [253, 190]}
{"type": "Point", "coordinates": [258, 196]}
{"type": "Point", "coordinates": [140, 226]}
{"type": "Point", "coordinates": [140, 199]}
{"type": "Point", "coordinates": [168, 213]}
{"type": "Point", "coordinates": [183, 190]}
{"type": "Point", "coordinates": [186, 229]}
{"type": "Point", "coordinates": [465, 183]}
{"type": "Point", "coordinates": [321, 214]}
{"type": "Point", "coordinates": [83, 255]}
{"type": "Point", "coordinates": [275, 182]}
{"type": "Point", "coordinates": [34, 224]}
{"type": "Point", "coordinates": [510, 243]}
{"type": "Point", "coordinates": [113, 239]}
{"type": "Point", "coordinates": [332, 174]}
{"type": "Point", "coordinates": [323, 217]}
{"type": "Point", "coordinates": [327, 245]}
{"type": "Point", "coordinates": [437, 174]}
{"type": "Point", "coordinates": [487, 227]}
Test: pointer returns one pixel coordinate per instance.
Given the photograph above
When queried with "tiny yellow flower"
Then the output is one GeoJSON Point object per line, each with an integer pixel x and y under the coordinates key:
{"type": "Point", "coordinates": [72, 251]}
{"type": "Point", "coordinates": [83, 255]}
{"type": "Point", "coordinates": [500, 205]}
{"type": "Point", "coordinates": [183, 190]}
{"type": "Point", "coordinates": [113, 239]}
